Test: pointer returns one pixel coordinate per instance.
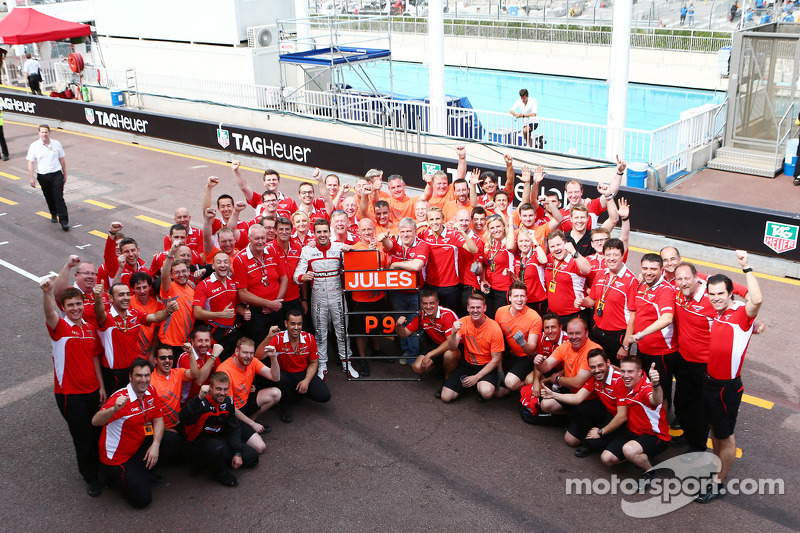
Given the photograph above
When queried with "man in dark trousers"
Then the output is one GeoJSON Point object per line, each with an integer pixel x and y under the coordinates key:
{"type": "Point", "coordinates": [213, 433]}
{"type": "Point", "coordinates": [47, 163]}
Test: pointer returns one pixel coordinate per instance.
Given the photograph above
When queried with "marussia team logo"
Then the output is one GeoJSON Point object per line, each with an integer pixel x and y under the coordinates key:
{"type": "Point", "coordinates": [780, 237]}
{"type": "Point", "coordinates": [223, 138]}
{"type": "Point", "coordinates": [89, 115]}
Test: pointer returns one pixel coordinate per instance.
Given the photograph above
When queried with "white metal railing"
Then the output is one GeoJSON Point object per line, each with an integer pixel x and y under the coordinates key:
{"type": "Point", "coordinates": [564, 31]}
{"type": "Point", "coordinates": [667, 146]}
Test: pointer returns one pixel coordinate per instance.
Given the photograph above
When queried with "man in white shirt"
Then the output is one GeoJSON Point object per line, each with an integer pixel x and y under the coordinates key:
{"type": "Point", "coordinates": [526, 109]}
{"type": "Point", "coordinates": [33, 73]}
{"type": "Point", "coordinates": [47, 163]}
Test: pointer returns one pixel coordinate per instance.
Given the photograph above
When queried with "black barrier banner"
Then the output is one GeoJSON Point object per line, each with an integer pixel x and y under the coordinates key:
{"type": "Point", "coordinates": [762, 231]}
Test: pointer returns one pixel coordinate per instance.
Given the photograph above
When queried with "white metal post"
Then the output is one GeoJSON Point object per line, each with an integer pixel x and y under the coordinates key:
{"type": "Point", "coordinates": [438, 119]}
{"type": "Point", "coordinates": [618, 79]}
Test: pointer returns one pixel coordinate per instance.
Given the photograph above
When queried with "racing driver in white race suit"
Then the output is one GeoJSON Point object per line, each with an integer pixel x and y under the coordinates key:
{"type": "Point", "coordinates": [321, 264]}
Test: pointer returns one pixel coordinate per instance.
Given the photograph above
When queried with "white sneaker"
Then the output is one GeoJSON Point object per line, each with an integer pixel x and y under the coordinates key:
{"type": "Point", "coordinates": [348, 369]}
{"type": "Point", "coordinates": [404, 359]}
{"type": "Point", "coordinates": [322, 371]}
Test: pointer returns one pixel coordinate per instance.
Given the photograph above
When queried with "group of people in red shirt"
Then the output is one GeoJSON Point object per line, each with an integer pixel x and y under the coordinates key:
{"type": "Point", "coordinates": [218, 329]}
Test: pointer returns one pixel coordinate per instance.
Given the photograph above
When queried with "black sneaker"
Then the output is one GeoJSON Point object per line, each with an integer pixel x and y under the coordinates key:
{"type": "Point", "coordinates": [439, 393]}
{"type": "Point", "coordinates": [228, 479]}
{"type": "Point", "coordinates": [155, 479]}
{"type": "Point", "coordinates": [93, 488]}
{"type": "Point", "coordinates": [711, 492]}
{"type": "Point", "coordinates": [363, 367]}
{"type": "Point", "coordinates": [678, 442]}
{"type": "Point", "coordinates": [5, 157]}
{"type": "Point", "coordinates": [54, 219]}
{"type": "Point", "coordinates": [583, 451]}
{"type": "Point", "coordinates": [286, 415]}
{"type": "Point", "coordinates": [796, 182]}
{"type": "Point", "coordinates": [646, 479]}
{"type": "Point", "coordinates": [64, 226]}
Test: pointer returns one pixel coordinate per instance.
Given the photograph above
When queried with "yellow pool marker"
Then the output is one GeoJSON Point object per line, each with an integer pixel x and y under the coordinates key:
{"type": "Point", "coordinates": [154, 221]}
{"type": "Point", "coordinates": [100, 204]}
{"type": "Point", "coordinates": [43, 214]}
{"type": "Point", "coordinates": [7, 201]}
{"type": "Point", "coordinates": [98, 234]}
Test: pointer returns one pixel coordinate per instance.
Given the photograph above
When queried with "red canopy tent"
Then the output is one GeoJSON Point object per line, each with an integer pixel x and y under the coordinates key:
{"type": "Point", "coordinates": [25, 25]}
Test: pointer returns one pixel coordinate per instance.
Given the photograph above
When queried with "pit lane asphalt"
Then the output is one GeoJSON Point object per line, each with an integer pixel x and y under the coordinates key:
{"type": "Point", "coordinates": [381, 455]}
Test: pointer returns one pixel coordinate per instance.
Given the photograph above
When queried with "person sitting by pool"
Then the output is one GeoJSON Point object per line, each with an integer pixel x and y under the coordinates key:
{"type": "Point", "coordinates": [527, 112]}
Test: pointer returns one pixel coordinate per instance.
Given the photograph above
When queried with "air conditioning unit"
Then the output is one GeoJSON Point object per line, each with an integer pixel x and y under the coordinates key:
{"type": "Point", "coordinates": [262, 36]}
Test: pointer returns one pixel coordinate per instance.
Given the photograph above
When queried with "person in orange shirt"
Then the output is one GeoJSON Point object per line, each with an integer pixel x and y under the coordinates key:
{"type": "Point", "coordinates": [401, 204]}
{"type": "Point", "coordinates": [483, 349]}
{"type": "Point", "coordinates": [175, 287]}
{"type": "Point", "coordinates": [571, 357]}
{"type": "Point", "coordinates": [226, 237]}
{"type": "Point", "coordinates": [444, 193]}
{"type": "Point", "coordinates": [168, 382]}
{"type": "Point", "coordinates": [242, 369]}
{"type": "Point", "coordinates": [521, 327]}
{"type": "Point", "coordinates": [144, 301]}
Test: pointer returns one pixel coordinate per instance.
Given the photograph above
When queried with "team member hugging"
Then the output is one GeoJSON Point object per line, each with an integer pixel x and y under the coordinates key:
{"type": "Point", "coordinates": [213, 432]}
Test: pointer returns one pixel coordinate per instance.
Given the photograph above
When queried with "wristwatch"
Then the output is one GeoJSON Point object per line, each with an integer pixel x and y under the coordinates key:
{"type": "Point", "coordinates": [576, 254]}
{"type": "Point", "coordinates": [600, 432]}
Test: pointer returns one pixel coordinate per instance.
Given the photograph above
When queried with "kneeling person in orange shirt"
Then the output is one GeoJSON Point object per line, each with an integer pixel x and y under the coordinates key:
{"type": "Point", "coordinates": [483, 348]}
{"type": "Point", "coordinates": [521, 327]}
{"type": "Point", "coordinates": [572, 357]}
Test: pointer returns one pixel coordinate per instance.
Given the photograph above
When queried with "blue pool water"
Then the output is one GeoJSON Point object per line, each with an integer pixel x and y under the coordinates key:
{"type": "Point", "coordinates": [578, 100]}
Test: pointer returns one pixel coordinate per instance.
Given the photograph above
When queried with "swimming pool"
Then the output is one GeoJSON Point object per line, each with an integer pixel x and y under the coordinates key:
{"type": "Point", "coordinates": [579, 100]}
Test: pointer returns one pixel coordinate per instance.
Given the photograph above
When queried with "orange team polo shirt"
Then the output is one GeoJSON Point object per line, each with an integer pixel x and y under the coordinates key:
{"type": "Point", "coordinates": [528, 321]}
{"type": "Point", "coordinates": [573, 361]}
{"type": "Point", "coordinates": [480, 342]}
{"type": "Point", "coordinates": [440, 202]}
{"type": "Point", "coordinates": [241, 380]}
{"type": "Point", "coordinates": [175, 329]}
{"type": "Point", "coordinates": [402, 208]}
{"type": "Point", "coordinates": [169, 390]}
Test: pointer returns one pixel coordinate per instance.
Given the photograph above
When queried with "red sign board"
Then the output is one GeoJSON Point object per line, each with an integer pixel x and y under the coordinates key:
{"type": "Point", "coordinates": [377, 280]}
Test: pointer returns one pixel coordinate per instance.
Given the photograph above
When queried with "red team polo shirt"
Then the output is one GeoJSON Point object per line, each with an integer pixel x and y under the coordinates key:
{"type": "Point", "coordinates": [419, 249]}
{"type": "Point", "coordinates": [286, 205]}
{"type": "Point", "coordinates": [532, 273]}
{"type": "Point", "coordinates": [110, 266]}
{"type": "Point", "coordinates": [616, 292]}
{"type": "Point", "coordinates": [439, 327]}
{"type": "Point", "coordinates": [693, 318]}
{"type": "Point", "coordinates": [194, 240]}
{"type": "Point", "coordinates": [242, 226]}
{"type": "Point", "coordinates": [465, 261]}
{"type": "Point", "coordinates": [288, 261]}
{"type": "Point", "coordinates": [564, 284]}
{"type": "Point", "coordinates": [123, 435]}
{"type": "Point", "coordinates": [643, 419]}
{"type": "Point", "coordinates": [74, 349]}
{"type": "Point", "coordinates": [442, 269]}
{"type": "Point", "coordinates": [260, 278]}
{"type": "Point", "coordinates": [650, 304]}
{"type": "Point", "coordinates": [293, 359]}
{"type": "Point", "coordinates": [595, 208]}
{"type": "Point", "coordinates": [546, 347]}
{"type": "Point", "coordinates": [214, 294]}
{"type": "Point", "coordinates": [496, 261]}
{"type": "Point", "coordinates": [120, 338]}
{"type": "Point", "coordinates": [191, 389]}
{"type": "Point", "coordinates": [730, 335]}
{"type": "Point", "coordinates": [609, 390]}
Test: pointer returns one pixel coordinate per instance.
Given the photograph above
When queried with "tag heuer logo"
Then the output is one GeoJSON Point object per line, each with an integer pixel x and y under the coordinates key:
{"type": "Point", "coordinates": [780, 237]}
{"type": "Point", "coordinates": [89, 115]}
{"type": "Point", "coordinates": [223, 138]}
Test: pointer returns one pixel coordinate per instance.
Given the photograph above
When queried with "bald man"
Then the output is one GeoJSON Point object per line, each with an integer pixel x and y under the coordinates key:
{"type": "Point", "coordinates": [194, 236]}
